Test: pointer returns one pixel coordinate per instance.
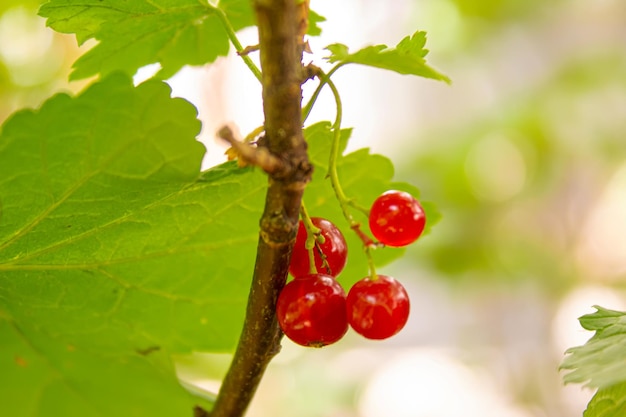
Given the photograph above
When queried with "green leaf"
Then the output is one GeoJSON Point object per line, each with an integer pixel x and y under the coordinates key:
{"type": "Point", "coordinates": [314, 21]}
{"type": "Point", "coordinates": [608, 402]}
{"type": "Point", "coordinates": [406, 58]}
{"type": "Point", "coordinates": [107, 229]}
{"type": "Point", "coordinates": [602, 319]}
{"type": "Point", "coordinates": [600, 362]}
{"type": "Point", "coordinates": [112, 136]}
{"type": "Point", "coordinates": [110, 246]}
{"type": "Point", "coordinates": [136, 33]}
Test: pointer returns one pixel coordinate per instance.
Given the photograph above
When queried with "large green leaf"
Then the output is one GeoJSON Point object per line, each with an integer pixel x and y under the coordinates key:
{"type": "Point", "coordinates": [406, 58]}
{"type": "Point", "coordinates": [107, 230]}
{"type": "Point", "coordinates": [112, 251]}
{"type": "Point", "coordinates": [132, 34]}
{"type": "Point", "coordinates": [600, 362]}
{"type": "Point", "coordinates": [116, 252]}
{"type": "Point", "coordinates": [136, 33]}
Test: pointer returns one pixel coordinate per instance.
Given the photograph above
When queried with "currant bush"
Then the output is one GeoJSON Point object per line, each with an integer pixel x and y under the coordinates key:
{"type": "Point", "coordinates": [396, 218]}
{"type": "Point", "coordinates": [333, 248]}
{"type": "Point", "coordinates": [378, 307]}
{"type": "Point", "coordinates": [311, 310]}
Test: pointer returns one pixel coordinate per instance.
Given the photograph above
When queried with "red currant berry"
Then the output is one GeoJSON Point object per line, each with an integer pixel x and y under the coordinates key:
{"type": "Point", "coordinates": [334, 249]}
{"type": "Point", "coordinates": [311, 310]}
{"type": "Point", "coordinates": [396, 218]}
{"type": "Point", "coordinates": [377, 308]}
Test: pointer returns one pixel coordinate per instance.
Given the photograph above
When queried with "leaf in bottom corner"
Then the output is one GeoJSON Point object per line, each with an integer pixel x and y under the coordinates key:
{"type": "Point", "coordinates": [608, 402]}
{"type": "Point", "coordinates": [599, 363]}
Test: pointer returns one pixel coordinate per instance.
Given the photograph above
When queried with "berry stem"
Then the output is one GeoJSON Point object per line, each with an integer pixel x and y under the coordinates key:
{"type": "Point", "coordinates": [306, 219]}
{"type": "Point", "coordinates": [344, 201]}
{"type": "Point", "coordinates": [324, 78]}
{"type": "Point", "coordinates": [334, 153]}
{"type": "Point", "coordinates": [311, 237]}
{"type": "Point", "coordinates": [370, 264]}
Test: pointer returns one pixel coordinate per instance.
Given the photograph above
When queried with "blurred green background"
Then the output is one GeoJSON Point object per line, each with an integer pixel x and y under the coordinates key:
{"type": "Point", "coordinates": [524, 155]}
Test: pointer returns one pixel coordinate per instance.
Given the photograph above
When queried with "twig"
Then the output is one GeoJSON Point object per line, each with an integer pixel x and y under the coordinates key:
{"type": "Point", "coordinates": [258, 156]}
{"type": "Point", "coordinates": [248, 50]}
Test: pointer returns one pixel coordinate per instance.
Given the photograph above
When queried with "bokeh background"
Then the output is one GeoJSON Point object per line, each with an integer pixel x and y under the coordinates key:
{"type": "Point", "coordinates": [524, 155]}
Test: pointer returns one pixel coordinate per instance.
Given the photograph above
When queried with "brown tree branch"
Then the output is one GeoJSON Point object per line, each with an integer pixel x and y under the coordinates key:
{"type": "Point", "coordinates": [279, 24]}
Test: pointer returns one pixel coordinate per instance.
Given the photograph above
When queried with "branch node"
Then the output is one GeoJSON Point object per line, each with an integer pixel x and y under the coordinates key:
{"type": "Point", "coordinates": [249, 154]}
{"type": "Point", "coordinates": [309, 72]}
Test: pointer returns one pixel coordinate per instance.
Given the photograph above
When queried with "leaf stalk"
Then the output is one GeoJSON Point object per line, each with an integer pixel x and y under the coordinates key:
{"type": "Point", "coordinates": [230, 31]}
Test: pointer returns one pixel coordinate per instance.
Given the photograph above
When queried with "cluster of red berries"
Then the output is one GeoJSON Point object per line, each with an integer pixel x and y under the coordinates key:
{"type": "Point", "coordinates": [314, 310]}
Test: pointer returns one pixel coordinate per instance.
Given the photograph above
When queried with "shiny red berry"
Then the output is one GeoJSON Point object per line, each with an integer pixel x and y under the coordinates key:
{"type": "Point", "coordinates": [396, 218]}
{"type": "Point", "coordinates": [333, 248]}
{"type": "Point", "coordinates": [377, 308]}
{"type": "Point", "coordinates": [311, 310]}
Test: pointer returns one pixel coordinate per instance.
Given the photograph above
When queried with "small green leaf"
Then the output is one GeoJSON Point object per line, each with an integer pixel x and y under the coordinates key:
{"type": "Point", "coordinates": [406, 58]}
{"type": "Point", "coordinates": [136, 33]}
{"type": "Point", "coordinates": [314, 21]}
{"type": "Point", "coordinates": [608, 402]}
{"type": "Point", "coordinates": [601, 319]}
{"type": "Point", "coordinates": [600, 362]}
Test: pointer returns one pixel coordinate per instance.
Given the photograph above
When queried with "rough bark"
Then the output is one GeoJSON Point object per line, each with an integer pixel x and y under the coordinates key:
{"type": "Point", "coordinates": [280, 41]}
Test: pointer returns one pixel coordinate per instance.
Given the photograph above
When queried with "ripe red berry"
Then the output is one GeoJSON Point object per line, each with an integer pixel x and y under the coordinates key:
{"type": "Point", "coordinates": [334, 249]}
{"type": "Point", "coordinates": [311, 310]}
{"type": "Point", "coordinates": [396, 218]}
{"type": "Point", "coordinates": [377, 308]}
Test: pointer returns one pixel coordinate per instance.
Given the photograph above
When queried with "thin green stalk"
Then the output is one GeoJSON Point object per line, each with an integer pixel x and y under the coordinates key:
{"type": "Point", "coordinates": [334, 153]}
{"type": "Point", "coordinates": [370, 263]}
{"type": "Point", "coordinates": [230, 31]}
{"type": "Point", "coordinates": [311, 237]}
{"type": "Point", "coordinates": [344, 201]}
{"type": "Point", "coordinates": [306, 110]}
